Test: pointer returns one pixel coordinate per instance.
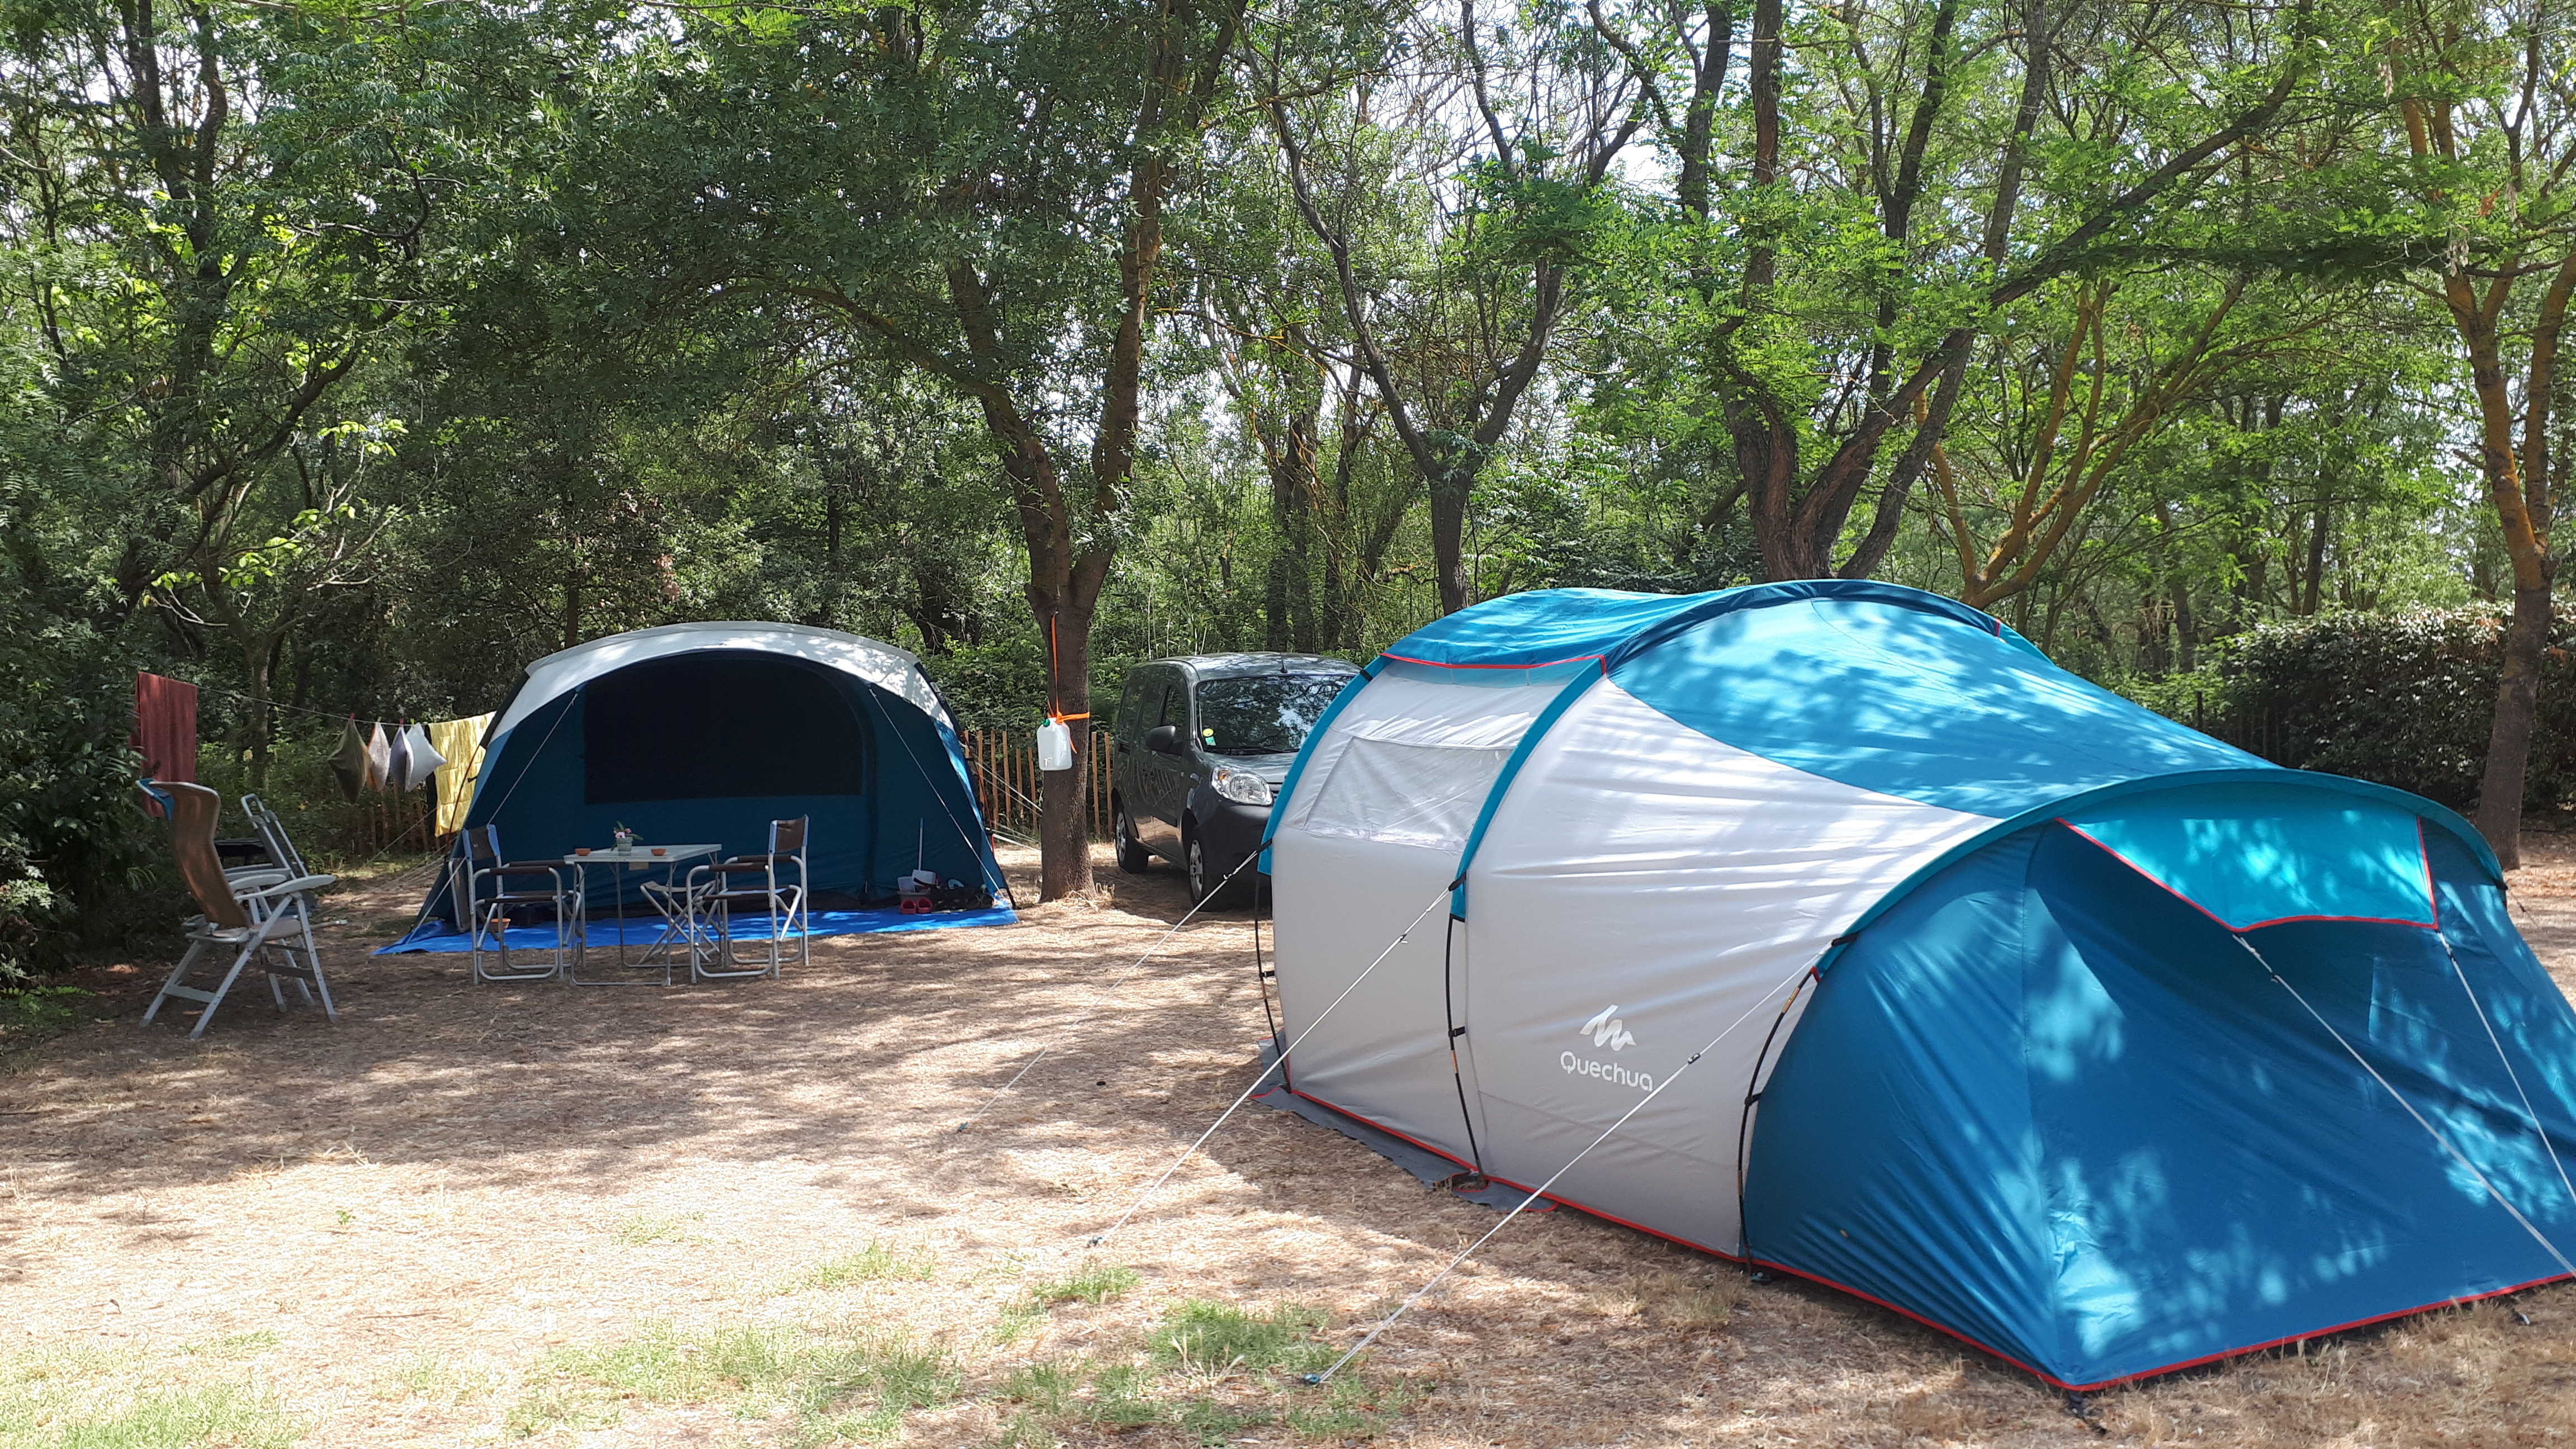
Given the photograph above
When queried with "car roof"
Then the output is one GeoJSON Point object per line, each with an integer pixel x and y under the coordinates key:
{"type": "Point", "coordinates": [1226, 666]}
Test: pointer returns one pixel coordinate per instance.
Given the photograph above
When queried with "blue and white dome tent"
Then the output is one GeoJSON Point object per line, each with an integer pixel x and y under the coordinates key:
{"type": "Point", "coordinates": [706, 732]}
{"type": "Point", "coordinates": [2039, 1018]}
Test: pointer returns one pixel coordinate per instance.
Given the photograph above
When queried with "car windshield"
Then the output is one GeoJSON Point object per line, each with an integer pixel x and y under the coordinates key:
{"type": "Point", "coordinates": [1263, 714]}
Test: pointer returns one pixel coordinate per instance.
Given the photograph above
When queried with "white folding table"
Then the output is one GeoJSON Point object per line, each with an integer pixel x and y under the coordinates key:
{"type": "Point", "coordinates": [676, 929]}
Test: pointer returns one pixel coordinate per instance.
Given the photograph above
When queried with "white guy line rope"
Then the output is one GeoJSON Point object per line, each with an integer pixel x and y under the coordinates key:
{"type": "Point", "coordinates": [2510, 1074]}
{"type": "Point", "coordinates": [1187, 1152]}
{"type": "Point", "coordinates": [1052, 1042]}
{"type": "Point", "coordinates": [1389, 1321]}
{"type": "Point", "coordinates": [2536, 1235]}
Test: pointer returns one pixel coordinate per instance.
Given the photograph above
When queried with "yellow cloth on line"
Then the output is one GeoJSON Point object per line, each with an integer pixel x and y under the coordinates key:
{"type": "Point", "coordinates": [461, 741]}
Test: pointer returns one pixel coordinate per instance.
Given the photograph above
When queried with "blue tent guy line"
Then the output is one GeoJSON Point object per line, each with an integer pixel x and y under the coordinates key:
{"type": "Point", "coordinates": [1943, 976]}
{"type": "Point", "coordinates": [707, 732]}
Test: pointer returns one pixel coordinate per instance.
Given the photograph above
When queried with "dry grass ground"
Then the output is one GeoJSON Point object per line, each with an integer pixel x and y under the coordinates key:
{"type": "Point", "coordinates": [743, 1214]}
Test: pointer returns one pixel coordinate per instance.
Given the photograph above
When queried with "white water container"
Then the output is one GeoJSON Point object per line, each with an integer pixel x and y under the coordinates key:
{"type": "Point", "coordinates": [1055, 746]}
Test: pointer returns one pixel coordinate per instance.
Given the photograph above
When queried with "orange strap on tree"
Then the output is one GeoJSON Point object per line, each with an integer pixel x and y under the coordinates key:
{"type": "Point", "coordinates": [1055, 694]}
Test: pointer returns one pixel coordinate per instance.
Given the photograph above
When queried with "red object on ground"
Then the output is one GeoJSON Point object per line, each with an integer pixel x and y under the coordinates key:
{"type": "Point", "coordinates": [165, 728]}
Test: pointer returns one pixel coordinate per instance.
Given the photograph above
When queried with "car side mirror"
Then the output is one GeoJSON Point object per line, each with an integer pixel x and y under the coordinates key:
{"type": "Point", "coordinates": [1164, 739]}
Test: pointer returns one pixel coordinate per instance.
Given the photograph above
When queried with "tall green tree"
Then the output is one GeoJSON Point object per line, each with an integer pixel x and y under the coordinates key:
{"type": "Point", "coordinates": [1886, 183]}
{"type": "Point", "coordinates": [221, 216]}
{"type": "Point", "coordinates": [976, 191]}
{"type": "Point", "coordinates": [1455, 328]}
{"type": "Point", "coordinates": [2485, 102]}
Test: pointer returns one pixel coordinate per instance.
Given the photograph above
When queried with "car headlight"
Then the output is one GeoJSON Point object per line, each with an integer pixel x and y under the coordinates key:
{"type": "Point", "coordinates": [1243, 787]}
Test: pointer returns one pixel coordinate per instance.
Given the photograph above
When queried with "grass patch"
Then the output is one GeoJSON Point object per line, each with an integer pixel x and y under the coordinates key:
{"type": "Point", "coordinates": [1090, 1283]}
{"type": "Point", "coordinates": [433, 1379]}
{"type": "Point", "coordinates": [1015, 1320]}
{"type": "Point", "coordinates": [832, 1386]}
{"type": "Point", "coordinates": [1350, 1407]}
{"type": "Point", "coordinates": [99, 1401]}
{"type": "Point", "coordinates": [34, 1013]}
{"type": "Point", "coordinates": [639, 1230]}
{"type": "Point", "coordinates": [1045, 1387]}
{"type": "Point", "coordinates": [875, 1263]}
{"type": "Point", "coordinates": [1213, 1340]}
{"type": "Point", "coordinates": [1210, 1370]}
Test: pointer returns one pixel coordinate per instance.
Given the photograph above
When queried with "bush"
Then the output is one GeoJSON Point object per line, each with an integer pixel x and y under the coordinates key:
{"type": "Point", "coordinates": [2404, 698]}
{"type": "Point", "coordinates": [78, 858]}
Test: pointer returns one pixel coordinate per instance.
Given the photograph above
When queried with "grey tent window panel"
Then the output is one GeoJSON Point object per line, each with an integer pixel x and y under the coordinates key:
{"type": "Point", "coordinates": [1426, 795]}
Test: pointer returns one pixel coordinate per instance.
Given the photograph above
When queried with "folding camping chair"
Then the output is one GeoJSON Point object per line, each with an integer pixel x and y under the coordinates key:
{"type": "Point", "coordinates": [283, 861]}
{"type": "Point", "coordinates": [490, 897]}
{"type": "Point", "coordinates": [714, 895]}
{"type": "Point", "coordinates": [272, 833]}
{"type": "Point", "coordinates": [260, 924]}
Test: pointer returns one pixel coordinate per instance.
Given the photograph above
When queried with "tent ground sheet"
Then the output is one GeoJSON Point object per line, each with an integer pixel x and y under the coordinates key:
{"type": "Point", "coordinates": [1425, 1164]}
{"type": "Point", "coordinates": [439, 936]}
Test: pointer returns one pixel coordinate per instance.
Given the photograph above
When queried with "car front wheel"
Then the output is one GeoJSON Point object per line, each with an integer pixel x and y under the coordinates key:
{"type": "Point", "coordinates": [1133, 857]}
{"type": "Point", "coordinates": [1208, 886]}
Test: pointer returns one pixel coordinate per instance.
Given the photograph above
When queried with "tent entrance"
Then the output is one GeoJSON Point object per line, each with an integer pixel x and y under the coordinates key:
{"type": "Point", "coordinates": [720, 725]}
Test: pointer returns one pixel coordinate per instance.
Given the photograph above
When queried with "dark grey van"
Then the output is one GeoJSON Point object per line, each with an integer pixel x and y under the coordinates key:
{"type": "Point", "coordinates": [1202, 745]}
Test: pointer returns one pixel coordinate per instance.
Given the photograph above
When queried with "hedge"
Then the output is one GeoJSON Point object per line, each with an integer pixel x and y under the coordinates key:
{"type": "Point", "coordinates": [2405, 698]}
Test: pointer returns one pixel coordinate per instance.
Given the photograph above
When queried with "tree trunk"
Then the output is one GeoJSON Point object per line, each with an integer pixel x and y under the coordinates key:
{"type": "Point", "coordinates": [262, 669]}
{"type": "Point", "coordinates": [1449, 492]}
{"type": "Point", "coordinates": [2310, 586]}
{"type": "Point", "coordinates": [2517, 711]}
{"type": "Point", "coordinates": [1064, 831]}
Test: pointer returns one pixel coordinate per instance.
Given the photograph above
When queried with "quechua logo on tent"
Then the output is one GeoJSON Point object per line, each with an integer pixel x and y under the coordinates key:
{"type": "Point", "coordinates": [1606, 1030]}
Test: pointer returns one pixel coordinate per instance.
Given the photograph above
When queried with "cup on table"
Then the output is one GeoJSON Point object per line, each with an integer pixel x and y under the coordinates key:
{"type": "Point", "coordinates": [581, 850]}
{"type": "Point", "coordinates": [658, 850]}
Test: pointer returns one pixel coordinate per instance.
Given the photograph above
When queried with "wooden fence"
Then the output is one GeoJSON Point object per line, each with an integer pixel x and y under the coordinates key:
{"type": "Point", "coordinates": [1004, 766]}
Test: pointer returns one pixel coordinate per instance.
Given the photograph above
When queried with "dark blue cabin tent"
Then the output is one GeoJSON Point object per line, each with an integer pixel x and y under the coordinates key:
{"type": "Point", "coordinates": [703, 732]}
{"type": "Point", "coordinates": [1942, 976]}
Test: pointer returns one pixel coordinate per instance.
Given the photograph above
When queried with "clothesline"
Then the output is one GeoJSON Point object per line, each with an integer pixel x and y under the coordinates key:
{"type": "Point", "coordinates": [442, 755]}
{"type": "Point", "coordinates": [303, 709]}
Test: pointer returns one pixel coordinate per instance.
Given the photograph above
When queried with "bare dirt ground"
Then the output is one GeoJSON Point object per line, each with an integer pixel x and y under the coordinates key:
{"type": "Point", "coordinates": [743, 1213]}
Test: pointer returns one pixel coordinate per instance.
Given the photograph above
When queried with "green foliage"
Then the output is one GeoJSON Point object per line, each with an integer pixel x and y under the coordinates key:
{"type": "Point", "coordinates": [875, 1263]}
{"type": "Point", "coordinates": [831, 1385]}
{"type": "Point", "coordinates": [2403, 698]}
{"type": "Point", "coordinates": [36, 1012]}
{"type": "Point", "coordinates": [486, 331]}
{"type": "Point", "coordinates": [77, 855]}
{"type": "Point", "coordinates": [1213, 1339]}
{"type": "Point", "coordinates": [1089, 1283]}
{"type": "Point", "coordinates": [93, 1400]}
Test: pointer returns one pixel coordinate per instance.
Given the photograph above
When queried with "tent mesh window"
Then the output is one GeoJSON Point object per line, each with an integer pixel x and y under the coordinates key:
{"type": "Point", "coordinates": [719, 725]}
{"type": "Point", "coordinates": [1408, 794]}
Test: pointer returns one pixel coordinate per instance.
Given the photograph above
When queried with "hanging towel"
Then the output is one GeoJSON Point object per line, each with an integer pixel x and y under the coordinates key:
{"type": "Point", "coordinates": [461, 741]}
{"type": "Point", "coordinates": [349, 762]}
{"type": "Point", "coordinates": [165, 727]}
{"type": "Point", "coordinates": [380, 759]}
{"type": "Point", "coordinates": [398, 760]}
{"type": "Point", "coordinates": [421, 759]}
